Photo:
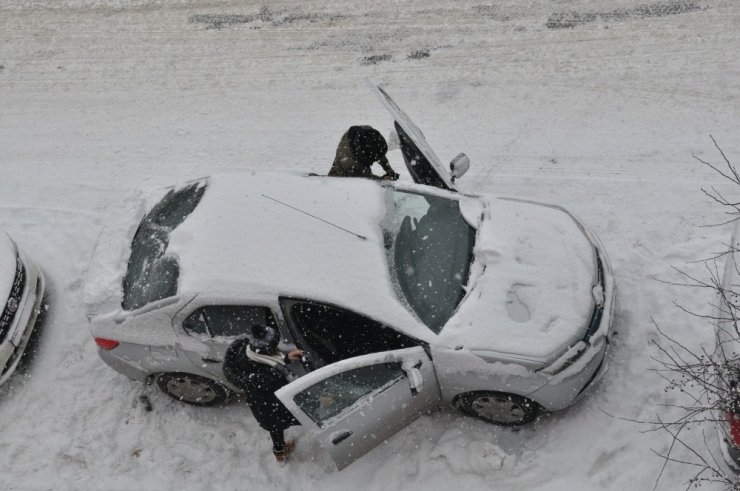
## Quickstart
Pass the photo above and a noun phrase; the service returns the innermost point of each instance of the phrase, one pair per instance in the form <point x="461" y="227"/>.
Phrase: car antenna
<point x="314" y="216"/>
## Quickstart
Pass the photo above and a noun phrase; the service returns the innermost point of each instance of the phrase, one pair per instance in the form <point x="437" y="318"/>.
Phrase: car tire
<point x="499" y="408"/>
<point x="193" y="389"/>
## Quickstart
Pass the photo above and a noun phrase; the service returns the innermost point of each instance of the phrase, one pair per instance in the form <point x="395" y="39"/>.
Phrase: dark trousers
<point x="278" y="441"/>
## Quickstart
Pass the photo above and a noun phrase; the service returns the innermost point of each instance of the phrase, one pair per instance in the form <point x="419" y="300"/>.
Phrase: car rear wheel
<point x="499" y="408"/>
<point x="192" y="389"/>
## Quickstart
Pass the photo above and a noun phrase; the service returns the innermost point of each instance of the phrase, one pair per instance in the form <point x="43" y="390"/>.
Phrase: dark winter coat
<point x="259" y="383"/>
<point x="346" y="164"/>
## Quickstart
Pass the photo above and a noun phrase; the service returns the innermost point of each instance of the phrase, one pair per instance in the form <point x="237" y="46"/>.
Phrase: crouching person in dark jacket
<point x="259" y="369"/>
<point x="359" y="148"/>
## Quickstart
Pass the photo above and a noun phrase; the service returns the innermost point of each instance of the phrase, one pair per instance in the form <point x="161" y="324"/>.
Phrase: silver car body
<point x="22" y="290"/>
<point x="264" y="240"/>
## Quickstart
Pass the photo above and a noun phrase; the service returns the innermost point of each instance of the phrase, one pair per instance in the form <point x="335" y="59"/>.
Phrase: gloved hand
<point x="391" y="176"/>
<point x="295" y="355"/>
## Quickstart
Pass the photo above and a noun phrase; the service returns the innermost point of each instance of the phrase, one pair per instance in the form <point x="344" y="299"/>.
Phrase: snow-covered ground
<point x="595" y="105"/>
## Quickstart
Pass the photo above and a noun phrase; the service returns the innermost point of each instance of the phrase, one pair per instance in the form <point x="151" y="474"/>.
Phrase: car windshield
<point x="151" y="275"/>
<point x="430" y="251"/>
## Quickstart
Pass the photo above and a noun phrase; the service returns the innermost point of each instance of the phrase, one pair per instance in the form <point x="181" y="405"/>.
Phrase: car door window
<point x="227" y="320"/>
<point x="196" y="323"/>
<point x="331" y="396"/>
<point x="334" y="334"/>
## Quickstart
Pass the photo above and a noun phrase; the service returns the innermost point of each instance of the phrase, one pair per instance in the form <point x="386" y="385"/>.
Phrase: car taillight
<point x="106" y="344"/>
<point x="733" y="421"/>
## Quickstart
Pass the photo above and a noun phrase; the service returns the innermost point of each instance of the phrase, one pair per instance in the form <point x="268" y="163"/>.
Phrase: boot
<point x="282" y="456"/>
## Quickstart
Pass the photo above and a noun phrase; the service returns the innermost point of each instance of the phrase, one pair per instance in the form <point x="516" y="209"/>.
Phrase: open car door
<point x="356" y="404"/>
<point x="423" y="164"/>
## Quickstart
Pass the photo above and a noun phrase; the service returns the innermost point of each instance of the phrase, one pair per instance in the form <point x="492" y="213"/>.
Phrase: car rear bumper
<point x="124" y="365"/>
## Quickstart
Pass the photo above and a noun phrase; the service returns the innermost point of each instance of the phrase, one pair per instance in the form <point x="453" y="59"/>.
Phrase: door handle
<point x="212" y="360"/>
<point x="341" y="437"/>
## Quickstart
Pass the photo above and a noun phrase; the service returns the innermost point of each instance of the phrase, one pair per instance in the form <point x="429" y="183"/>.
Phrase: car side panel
<point x="147" y="344"/>
<point x="195" y="349"/>
<point x="137" y="361"/>
<point x="128" y="359"/>
<point x="566" y="388"/>
<point x="460" y="371"/>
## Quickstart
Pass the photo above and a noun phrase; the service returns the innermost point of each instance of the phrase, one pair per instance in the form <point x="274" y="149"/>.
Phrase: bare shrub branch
<point x="708" y="382"/>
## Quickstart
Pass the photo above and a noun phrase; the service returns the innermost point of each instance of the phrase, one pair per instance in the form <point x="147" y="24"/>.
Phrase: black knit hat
<point x="366" y="144"/>
<point x="264" y="339"/>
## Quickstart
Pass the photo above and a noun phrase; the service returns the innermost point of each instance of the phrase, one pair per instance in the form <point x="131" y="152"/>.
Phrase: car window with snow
<point x="227" y="320"/>
<point x="431" y="253"/>
<point x="150" y="275"/>
<point x="328" y="398"/>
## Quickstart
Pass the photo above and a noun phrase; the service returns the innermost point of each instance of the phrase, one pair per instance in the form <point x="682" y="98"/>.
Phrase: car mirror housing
<point x="459" y="166"/>
<point x="416" y="381"/>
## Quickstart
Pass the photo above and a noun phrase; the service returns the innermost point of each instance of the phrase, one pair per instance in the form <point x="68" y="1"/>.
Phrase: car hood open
<point x="531" y="284"/>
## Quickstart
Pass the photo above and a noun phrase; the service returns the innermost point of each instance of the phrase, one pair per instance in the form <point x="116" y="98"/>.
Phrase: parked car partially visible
<point x="21" y="295"/>
<point x="726" y="356"/>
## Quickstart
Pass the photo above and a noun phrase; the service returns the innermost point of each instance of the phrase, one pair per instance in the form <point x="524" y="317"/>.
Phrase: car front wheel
<point x="192" y="389"/>
<point x="499" y="408"/>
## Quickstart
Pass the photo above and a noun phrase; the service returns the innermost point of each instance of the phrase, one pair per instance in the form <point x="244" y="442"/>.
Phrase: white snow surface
<point x="102" y="97"/>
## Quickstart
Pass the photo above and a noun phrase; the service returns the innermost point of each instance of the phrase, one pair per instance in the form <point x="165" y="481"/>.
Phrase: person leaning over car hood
<point x="259" y="369"/>
<point x="359" y="148"/>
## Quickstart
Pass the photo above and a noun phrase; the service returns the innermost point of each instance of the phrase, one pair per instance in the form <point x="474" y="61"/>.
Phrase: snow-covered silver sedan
<point x="21" y="294"/>
<point x="405" y="295"/>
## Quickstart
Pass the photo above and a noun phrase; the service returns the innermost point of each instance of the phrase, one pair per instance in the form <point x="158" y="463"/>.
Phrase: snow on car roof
<point x="248" y="236"/>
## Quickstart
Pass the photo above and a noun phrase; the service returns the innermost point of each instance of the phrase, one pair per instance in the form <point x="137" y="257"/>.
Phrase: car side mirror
<point x="416" y="381"/>
<point x="459" y="166"/>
